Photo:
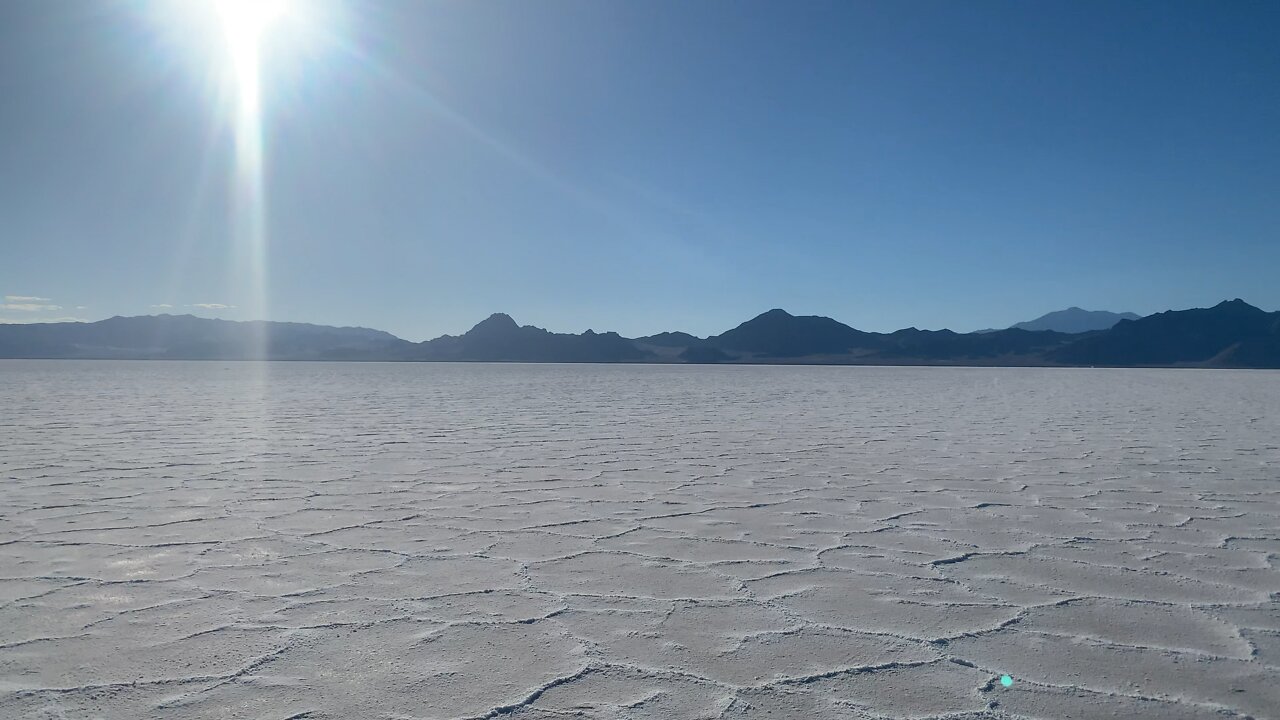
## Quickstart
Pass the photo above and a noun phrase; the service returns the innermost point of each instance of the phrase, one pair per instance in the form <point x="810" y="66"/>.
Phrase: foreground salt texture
<point x="211" y="540"/>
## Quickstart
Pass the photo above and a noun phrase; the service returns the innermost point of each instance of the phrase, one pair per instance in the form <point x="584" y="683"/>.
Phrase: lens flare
<point x="245" y="24"/>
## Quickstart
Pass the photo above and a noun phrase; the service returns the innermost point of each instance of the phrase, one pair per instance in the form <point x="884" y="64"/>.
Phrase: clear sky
<point x="649" y="165"/>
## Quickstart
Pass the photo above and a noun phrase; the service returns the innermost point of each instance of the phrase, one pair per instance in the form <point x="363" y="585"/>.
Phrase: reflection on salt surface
<point x="636" y="541"/>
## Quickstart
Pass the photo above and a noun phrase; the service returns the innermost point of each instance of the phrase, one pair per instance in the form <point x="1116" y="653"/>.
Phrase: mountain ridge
<point x="1076" y="320"/>
<point x="1232" y="333"/>
<point x="1072" y="320"/>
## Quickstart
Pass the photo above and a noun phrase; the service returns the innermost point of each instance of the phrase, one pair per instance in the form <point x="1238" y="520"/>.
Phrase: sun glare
<point x="245" y="24"/>
<point x="247" y="57"/>
<point x="244" y="21"/>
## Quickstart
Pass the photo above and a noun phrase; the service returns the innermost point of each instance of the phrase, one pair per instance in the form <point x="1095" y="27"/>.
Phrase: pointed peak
<point x="496" y="322"/>
<point x="1236" y="304"/>
<point x="775" y="313"/>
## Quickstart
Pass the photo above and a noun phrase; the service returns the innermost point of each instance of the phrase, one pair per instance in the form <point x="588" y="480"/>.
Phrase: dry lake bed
<point x="306" y="540"/>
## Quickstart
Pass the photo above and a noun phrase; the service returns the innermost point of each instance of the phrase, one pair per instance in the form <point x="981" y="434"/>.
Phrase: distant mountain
<point x="1075" y="320"/>
<point x="499" y="339"/>
<point x="779" y="334"/>
<point x="1231" y="334"/>
<point x="1011" y="347"/>
<point x="701" y="354"/>
<point x="1072" y="320"/>
<point x="670" y="339"/>
<point x="186" y="337"/>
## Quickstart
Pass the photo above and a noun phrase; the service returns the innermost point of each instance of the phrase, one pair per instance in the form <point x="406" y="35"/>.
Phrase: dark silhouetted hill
<point x="1017" y="347"/>
<point x="779" y="334"/>
<point x="671" y="339"/>
<point x="704" y="354"/>
<point x="1232" y="333"/>
<point x="186" y="337"/>
<point x="499" y="339"/>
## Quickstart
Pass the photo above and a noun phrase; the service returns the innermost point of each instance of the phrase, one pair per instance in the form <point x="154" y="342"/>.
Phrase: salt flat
<point x="239" y="540"/>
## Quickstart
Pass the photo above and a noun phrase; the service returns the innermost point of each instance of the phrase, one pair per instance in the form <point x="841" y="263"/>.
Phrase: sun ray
<point x="244" y="25"/>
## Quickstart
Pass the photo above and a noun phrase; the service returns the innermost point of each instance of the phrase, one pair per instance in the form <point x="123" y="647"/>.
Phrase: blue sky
<point x="648" y="166"/>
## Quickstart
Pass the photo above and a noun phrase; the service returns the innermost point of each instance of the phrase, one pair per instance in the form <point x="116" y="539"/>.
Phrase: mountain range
<point x="1230" y="334"/>
<point x="1073" y="320"/>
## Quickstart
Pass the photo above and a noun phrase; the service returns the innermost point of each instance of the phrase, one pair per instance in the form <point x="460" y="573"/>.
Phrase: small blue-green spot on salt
<point x="1006" y="681"/>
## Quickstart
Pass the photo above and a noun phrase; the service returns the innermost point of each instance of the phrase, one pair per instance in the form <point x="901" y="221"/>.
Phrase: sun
<point x="245" y="21"/>
<point x="245" y="24"/>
